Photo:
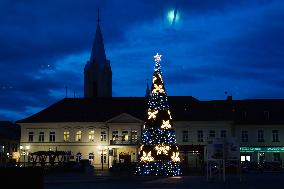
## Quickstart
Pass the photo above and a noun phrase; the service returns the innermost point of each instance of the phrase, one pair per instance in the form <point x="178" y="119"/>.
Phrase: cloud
<point x="216" y="46"/>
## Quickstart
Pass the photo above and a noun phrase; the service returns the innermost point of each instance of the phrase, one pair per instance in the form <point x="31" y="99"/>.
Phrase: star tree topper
<point x="157" y="57"/>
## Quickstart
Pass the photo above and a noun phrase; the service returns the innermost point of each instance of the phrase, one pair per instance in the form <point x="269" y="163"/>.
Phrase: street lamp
<point x="23" y="149"/>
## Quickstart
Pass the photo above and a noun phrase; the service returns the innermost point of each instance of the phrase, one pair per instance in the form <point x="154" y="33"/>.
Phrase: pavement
<point x="106" y="180"/>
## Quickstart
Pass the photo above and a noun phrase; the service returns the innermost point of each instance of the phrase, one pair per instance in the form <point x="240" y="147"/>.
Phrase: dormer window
<point x="245" y="115"/>
<point x="266" y="115"/>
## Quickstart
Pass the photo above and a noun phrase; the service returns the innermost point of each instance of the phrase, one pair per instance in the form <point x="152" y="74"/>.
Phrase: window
<point x="41" y="137"/>
<point x="244" y="136"/>
<point x="78" y="136"/>
<point x="31" y="136"/>
<point x="275" y="136"/>
<point x="134" y="135"/>
<point x="276" y="157"/>
<point x="66" y="136"/>
<point x="244" y="115"/>
<point x="223" y="133"/>
<point x="260" y="137"/>
<point x="91" y="136"/>
<point x="266" y="115"/>
<point x="91" y="157"/>
<point x="78" y="157"/>
<point x="52" y="136"/>
<point x="211" y="134"/>
<point x="245" y="158"/>
<point x="200" y="136"/>
<point x="103" y="136"/>
<point x="184" y="136"/>
<point x="105" y="158"/>
<point x="114" y="135"/>
<point x="124" y="135"/>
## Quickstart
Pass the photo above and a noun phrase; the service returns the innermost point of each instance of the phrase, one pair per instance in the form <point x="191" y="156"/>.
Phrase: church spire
<point x="98" y="19"/>
<point x="148" y="92"/>
<point x="97" y="71"/>
<point x="98" y="50"/>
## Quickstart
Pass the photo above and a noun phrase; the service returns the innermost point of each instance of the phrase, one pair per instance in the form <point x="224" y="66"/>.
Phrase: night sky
<point x="213" y="46"/>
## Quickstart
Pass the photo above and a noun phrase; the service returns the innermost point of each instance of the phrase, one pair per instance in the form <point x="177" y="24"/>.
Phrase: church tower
<point x="97" y="71"/>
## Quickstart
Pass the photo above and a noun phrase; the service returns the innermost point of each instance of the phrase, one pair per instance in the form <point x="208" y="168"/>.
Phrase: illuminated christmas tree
<point x="158" y="153"/>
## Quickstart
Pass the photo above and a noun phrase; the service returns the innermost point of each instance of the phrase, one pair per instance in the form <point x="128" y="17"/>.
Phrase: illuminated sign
<point x="261" y="149"/>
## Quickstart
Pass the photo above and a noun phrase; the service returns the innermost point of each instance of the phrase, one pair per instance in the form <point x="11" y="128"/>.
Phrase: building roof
<point x="183" y="108"/>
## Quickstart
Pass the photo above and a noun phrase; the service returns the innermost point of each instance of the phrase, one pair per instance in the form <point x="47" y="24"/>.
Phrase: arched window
<point x="91" y="157"/>
<point x="78" y="157"/>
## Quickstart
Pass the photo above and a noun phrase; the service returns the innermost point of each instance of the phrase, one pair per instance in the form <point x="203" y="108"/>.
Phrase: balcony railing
<point x="123" y="142"/>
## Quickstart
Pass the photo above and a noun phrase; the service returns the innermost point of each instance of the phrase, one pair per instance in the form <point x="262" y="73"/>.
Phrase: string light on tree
<point x="152" y="114"/>
<point x="170" y="114"/>
<point x="161" y="148"/>
<point x="147" y="157"/>
<point x="175" y="157"/>
<point x="159" y="152"/>
<point x="166" y="124"/>
<point x="158" y="89"/>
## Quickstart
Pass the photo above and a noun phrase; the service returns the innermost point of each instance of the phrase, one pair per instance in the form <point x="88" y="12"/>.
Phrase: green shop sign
<point x="261" y="149"/>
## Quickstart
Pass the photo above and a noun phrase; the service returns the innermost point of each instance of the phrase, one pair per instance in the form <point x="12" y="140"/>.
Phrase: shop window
<point x="276" y="157"/>
<point x="245" y="158"/>
<point x="261" y="157"/>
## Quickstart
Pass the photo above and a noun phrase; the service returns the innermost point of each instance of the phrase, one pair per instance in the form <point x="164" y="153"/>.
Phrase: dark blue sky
<point x="215" y="46"/>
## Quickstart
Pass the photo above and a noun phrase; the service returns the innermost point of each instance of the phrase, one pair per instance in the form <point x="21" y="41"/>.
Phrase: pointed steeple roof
<point x="98" y="50"/>
<point x="148" y="92"/>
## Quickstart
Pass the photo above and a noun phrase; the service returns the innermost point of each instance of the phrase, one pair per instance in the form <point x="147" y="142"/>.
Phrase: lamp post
<point x="23" y="149"/>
